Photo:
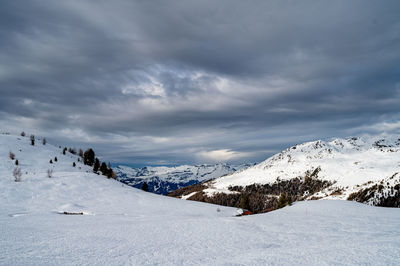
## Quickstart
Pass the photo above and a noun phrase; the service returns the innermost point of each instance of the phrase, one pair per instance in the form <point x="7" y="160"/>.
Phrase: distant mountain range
<point x="364" y="169"/>
<point x="163" y="179"/>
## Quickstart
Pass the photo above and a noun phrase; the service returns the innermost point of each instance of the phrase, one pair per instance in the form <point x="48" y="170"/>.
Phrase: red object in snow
<point x="247" y="213"/>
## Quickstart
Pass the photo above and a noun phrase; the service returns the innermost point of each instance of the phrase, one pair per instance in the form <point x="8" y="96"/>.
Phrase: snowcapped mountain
<point x="362" y="168"/>
<point x="163" y="180"/>
<point x="114" y="224"/>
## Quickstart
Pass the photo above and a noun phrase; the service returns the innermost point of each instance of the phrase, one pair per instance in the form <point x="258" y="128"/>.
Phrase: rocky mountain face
<point x="164" y="180"/>
<point x="364" y="169"/>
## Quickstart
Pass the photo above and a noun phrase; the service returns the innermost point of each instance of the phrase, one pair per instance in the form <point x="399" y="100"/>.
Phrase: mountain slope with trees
<point x="364" y="169"/>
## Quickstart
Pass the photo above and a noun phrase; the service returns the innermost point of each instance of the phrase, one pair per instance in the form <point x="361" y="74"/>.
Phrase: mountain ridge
<point x="350" y="166"/>
<point x="164" y="179"/>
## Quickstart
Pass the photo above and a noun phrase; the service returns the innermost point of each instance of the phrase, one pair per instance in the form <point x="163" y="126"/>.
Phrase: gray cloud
<point x="169" y="83"/>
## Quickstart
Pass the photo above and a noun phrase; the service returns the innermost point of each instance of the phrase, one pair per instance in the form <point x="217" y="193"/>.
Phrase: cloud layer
<point x="155" y="82"/>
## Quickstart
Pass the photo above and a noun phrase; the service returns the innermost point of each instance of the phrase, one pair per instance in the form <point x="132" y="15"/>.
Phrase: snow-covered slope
<point x="163" y="180"/>
<point x="122" y="225"/>
<point x="35" y="160"/>
<point x="348" y="163"/>
<point x="365" y="169"/>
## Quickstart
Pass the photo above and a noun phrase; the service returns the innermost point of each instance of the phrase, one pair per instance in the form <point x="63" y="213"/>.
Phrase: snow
<point x="188" y="195"/>
<point x="181" y="173"/>
<point x="164" y="180"/>
<point x="347" y="162"/>
<point x="123" y="225"/>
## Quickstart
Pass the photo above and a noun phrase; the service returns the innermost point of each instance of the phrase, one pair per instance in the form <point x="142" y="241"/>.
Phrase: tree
<point x="289" y="200"/>
<point x="55" y="159"/>
<point x="51" y="161"/>
<point x="88" y="157"/>
<point x="11" y="155"/>
<point x="23" y="134"/>
<point x="80" y="153"/>
<point x="145" y="187"/>
<point x="103" y="168"/>
<point x="49" y="173"/>
<point x="244" y="202"/>
<point x="16" y="162"/>
<point x="72" y="150"/>
<point x="282" y="201"/>
<point x="96" y="165"/>
<point x="32" y="140"/>
<point x="73" y="164"/>
<point x="112" y="174"/>
<point x="17" y="174"/>
<point x="64" y="150"/>
<point x="44" y="141"/>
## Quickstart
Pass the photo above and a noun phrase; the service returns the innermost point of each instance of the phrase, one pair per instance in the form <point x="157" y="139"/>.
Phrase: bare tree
<point x="49" y="173"/>
<point x="17" y="174"/>
<point x="11" y="155"/>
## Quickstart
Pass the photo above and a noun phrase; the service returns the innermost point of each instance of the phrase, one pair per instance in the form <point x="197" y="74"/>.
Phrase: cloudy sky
<point x="173" y="82"/>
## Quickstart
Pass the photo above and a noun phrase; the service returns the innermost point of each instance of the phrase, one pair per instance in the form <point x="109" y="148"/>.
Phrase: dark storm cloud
<point x="171" y="82"/>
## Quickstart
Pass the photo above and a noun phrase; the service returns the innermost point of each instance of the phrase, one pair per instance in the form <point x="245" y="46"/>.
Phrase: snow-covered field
<point x="123" y="225"/>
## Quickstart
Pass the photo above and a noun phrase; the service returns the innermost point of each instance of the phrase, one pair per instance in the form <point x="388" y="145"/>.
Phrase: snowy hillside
<point x="347" y="162"/>
<point x="366" y="169"/>
<point x="123" y="225"/>
<point x="35" y="160"/>
<point x="163" y="180"/>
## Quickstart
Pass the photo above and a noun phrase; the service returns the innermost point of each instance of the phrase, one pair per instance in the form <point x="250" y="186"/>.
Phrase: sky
<point x="190" y="82"/>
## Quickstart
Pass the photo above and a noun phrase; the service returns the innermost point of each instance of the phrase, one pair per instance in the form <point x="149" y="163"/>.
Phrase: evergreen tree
<point x="111" y="174"/>
<point x="55" y="159"/>
<point x="88" y="157"/>
<point x="16" y="162"/>
<point x="44" y="141"/>
<point x="103" y="168"/>
<point x="289" y="200"/>
<point x="282" y="201"/>
<point x="32" y="140"/>
<point x="73" y="164"/>
<point x="96" y="165"/>
<point x="145" y="187"/>
<point x="244" y="202"/>
<point x="64" y="150"/>
<point x="51" y="161"/>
